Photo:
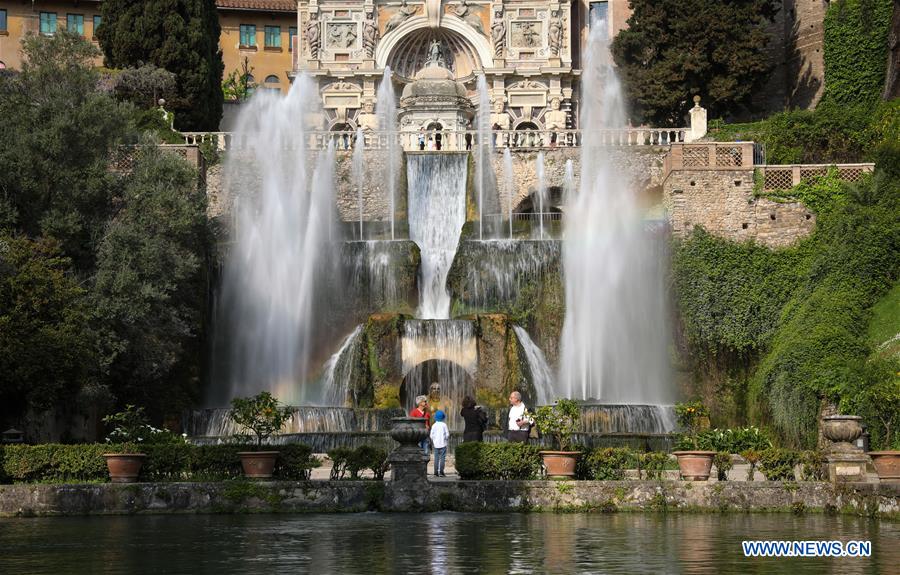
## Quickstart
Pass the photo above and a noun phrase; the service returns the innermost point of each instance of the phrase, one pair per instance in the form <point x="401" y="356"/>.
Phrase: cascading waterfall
<point x="359" y="171"/>
<point x="437" y="212"/>
<point x="509" y="187"/>
<point x="386" y="108"/>
<point x="541" y="191"/>
<point x="569" y="183"/>
<point x="614" y="337"/>
<point x="370" y="274"/>
<point x="281" y="260"/>
<point x="496" y="270"/>
<point x="541" y="375"/>
<point x="441" y="353"/>
<point x="338" y="374"/>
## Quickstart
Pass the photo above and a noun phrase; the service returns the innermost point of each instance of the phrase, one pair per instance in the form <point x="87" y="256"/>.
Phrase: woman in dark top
<point x="475" y="418"/>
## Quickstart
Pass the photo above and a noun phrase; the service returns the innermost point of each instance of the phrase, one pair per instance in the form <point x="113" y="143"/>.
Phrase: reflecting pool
<point x="434" y="543"/>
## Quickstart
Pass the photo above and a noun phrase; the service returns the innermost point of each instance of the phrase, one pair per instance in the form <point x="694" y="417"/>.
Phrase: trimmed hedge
<point x="165" y="462"/>
<point x="476" y="460"/>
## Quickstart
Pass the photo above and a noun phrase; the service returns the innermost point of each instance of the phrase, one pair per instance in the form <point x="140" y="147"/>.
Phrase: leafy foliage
<point x="476" y="460"/>
<point x="558" y="421"/>
<point x="239" y="85"/>
<point x="132" y="425"/>
<point x="180" y="36"/>
<point x="723" y="463"/>
<point x="262" y="414"/>
<point x="610" y="463"/>
<point x="675" y="49"/>
<point x="778" y="464"/>
<point x="144" y="86"/>
<point x="692" y="416"/>
<point x="856" y="49"/>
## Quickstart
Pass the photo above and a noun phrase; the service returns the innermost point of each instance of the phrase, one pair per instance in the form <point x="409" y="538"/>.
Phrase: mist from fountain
<point x="614" y="339"/>
<point x="359" y="172"/>
<point x="282" y="259"/>
<point x="386" y="108"/>
<point x="437" y="212"/>
<point x="541" y="191"/>
<point x="569" y="182"/>
<point x="484" y="147"/>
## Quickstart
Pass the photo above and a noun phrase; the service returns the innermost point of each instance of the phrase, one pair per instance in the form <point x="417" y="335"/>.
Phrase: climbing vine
<point x="856" y="49"/>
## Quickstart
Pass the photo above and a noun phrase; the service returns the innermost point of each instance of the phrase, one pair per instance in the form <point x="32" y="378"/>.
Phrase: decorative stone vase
<point x="560" y="464"/>
<point x="887" y="464"/>
<point x="694" y="465"/>
<point x="408" y="463"/>
<point x="842" y="431"/>
<point x="258" y="464"/>
<point x="124" y="467"/>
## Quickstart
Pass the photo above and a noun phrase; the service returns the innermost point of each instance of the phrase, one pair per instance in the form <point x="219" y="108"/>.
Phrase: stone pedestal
<point x="847" y="467"/>
<point x="408" y="463"/>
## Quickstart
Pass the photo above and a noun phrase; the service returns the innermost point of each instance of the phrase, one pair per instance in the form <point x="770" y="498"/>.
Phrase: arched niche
<point x="408" y="44"/>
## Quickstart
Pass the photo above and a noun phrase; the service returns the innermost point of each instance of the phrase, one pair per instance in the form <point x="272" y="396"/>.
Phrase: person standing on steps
<point x="440" y="438"/>
<point x="519" y="422"/>
<point x="421" y="411"/>
<point x="475" y="418"/>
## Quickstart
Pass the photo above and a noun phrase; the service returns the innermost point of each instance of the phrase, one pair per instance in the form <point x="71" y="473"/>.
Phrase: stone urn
<point x="258" y="464"/>
<point x="694" y="465"/>
<point x="124" y="467"/>
<point x="887" y="464"/>
<point x="842" y="431"/>
<point x="408" y="462"/>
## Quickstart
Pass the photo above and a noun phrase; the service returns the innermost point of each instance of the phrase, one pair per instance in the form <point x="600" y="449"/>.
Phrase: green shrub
<point x="610" y="463"/>
<point x="217" y="462"/>
<point x="475" y="460"/>
<point x="722" y="461"/>
<point x="812" y="466"/>
<point x="751" y="456"/>
<point x="55" y="463"/>
<point x="295" y="461"/>
<point x="339" y="457"/>
<point x="734" y="440"/>
<point x="778" y="464"/>
<point x="654" y="463"/>
<point x="168" y="461"/>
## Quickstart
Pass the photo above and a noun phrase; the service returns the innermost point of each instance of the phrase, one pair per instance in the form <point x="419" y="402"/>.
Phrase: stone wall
<point x="723" y="202"/>
<point x="30" y="500"/>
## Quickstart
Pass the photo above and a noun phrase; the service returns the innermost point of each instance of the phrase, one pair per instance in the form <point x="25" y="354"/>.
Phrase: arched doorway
<point x="445" y="382"/>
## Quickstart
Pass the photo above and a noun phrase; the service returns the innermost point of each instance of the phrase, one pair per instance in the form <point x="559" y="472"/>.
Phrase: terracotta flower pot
<point x="560" y="463"/>
<point x="887" y="464"/>
<point x="124" y="467"/>
<point x="694" y="465"/>
<point x="258" y="464"/>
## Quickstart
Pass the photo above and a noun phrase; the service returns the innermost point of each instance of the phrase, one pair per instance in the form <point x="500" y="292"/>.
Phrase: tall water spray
<point x="359" y="171"/>
<point x="569" y="182"/>
<point x="437" y="212"/>
<point x="541" y="191"/>
<point x="484" y="145"/>
<point x="279" y="263"/>
<point x="386" y="108"/>
<point x="509" y="186"/>
<point x="614" y="338"/>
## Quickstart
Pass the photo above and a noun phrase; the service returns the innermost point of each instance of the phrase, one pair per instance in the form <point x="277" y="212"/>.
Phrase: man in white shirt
<point x="519" y="424"/>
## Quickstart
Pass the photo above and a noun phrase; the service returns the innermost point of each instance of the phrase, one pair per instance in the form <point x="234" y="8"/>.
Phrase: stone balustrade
<point x="456" y="140"/>
<point x="783" y="177"/>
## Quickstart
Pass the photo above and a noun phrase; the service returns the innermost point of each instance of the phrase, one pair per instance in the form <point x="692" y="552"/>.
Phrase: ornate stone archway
<point x="472" y="49"/>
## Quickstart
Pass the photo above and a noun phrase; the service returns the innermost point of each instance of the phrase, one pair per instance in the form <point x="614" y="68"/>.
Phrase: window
<point x="273" y="79"/>
<point x="75" y="23"/>
<point x="97" y="20"/>
<point x="599" y="12"/>
<point x="292" y="31"/>
<point x="273" y="36"/>
<point x="248" y="35"/>
<point x="2" y="21"/>
<point x="48" y="23"/>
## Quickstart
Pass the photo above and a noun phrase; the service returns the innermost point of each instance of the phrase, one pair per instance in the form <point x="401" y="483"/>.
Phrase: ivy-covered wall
<point x="856" y="47"/>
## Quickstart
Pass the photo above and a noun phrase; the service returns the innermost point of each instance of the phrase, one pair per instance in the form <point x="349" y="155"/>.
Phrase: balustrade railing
<point x="784" y="177"/>
<point x="461" y="140"/>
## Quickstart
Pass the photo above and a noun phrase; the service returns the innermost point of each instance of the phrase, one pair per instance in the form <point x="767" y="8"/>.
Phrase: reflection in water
<point x="433" y="543"/>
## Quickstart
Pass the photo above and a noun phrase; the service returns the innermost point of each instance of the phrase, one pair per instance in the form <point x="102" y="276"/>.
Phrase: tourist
<point x="440" y="438"/>
<point x="519" y="423"/>
<point x="421" y="411"/>
<point x="475" y="418"/>
<point x="422" y="139"/>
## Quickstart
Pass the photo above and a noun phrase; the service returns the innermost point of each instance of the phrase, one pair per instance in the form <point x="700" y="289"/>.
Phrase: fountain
<point x="614" y="338"/>
<point x="541" y="191"/>
<point x="484" y="148"/>
<point x="509" y="187"/>
<point x="359" y="172"/>
<point x="282" y="257"/>
<point x="386" y="107"/>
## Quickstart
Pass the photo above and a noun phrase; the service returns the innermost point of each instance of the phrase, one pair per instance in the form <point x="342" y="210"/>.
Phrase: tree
<point x="46" y="344"/>
<point x="673" y="50"/>
<point x="149" y="289"/>
<point x="181" y="36"/>
<point x="55" y="145"/>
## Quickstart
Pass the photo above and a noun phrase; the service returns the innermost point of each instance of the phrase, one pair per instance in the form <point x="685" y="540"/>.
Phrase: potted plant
<point x="130" y="429"/>
<point x="883" y="401"/>
<point x="559" y="421"/>
<point x="694" y="463"/>
<point x="262" y="415"/>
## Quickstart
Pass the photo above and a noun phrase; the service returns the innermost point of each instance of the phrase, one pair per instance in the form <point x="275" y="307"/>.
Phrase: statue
<point x="367" y="119"/>
<point x="370" y="35"/>
<point x="555" y="33"/>
<point x="312" y="36"/>
<point x="399" y="17"/>
<point x="435" y="55"/>
<point x="499" y="118"/>
<point x="498" y="33"/>
<point x="555" y="119"/>
<point x="468" y="16"/>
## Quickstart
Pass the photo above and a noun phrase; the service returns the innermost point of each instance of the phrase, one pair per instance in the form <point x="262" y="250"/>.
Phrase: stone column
<point x="408" y="463"/>
<point x="698" y="122"/>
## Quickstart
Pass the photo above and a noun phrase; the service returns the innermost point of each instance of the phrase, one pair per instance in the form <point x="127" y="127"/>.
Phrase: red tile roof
<point x="268" y="5"/>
